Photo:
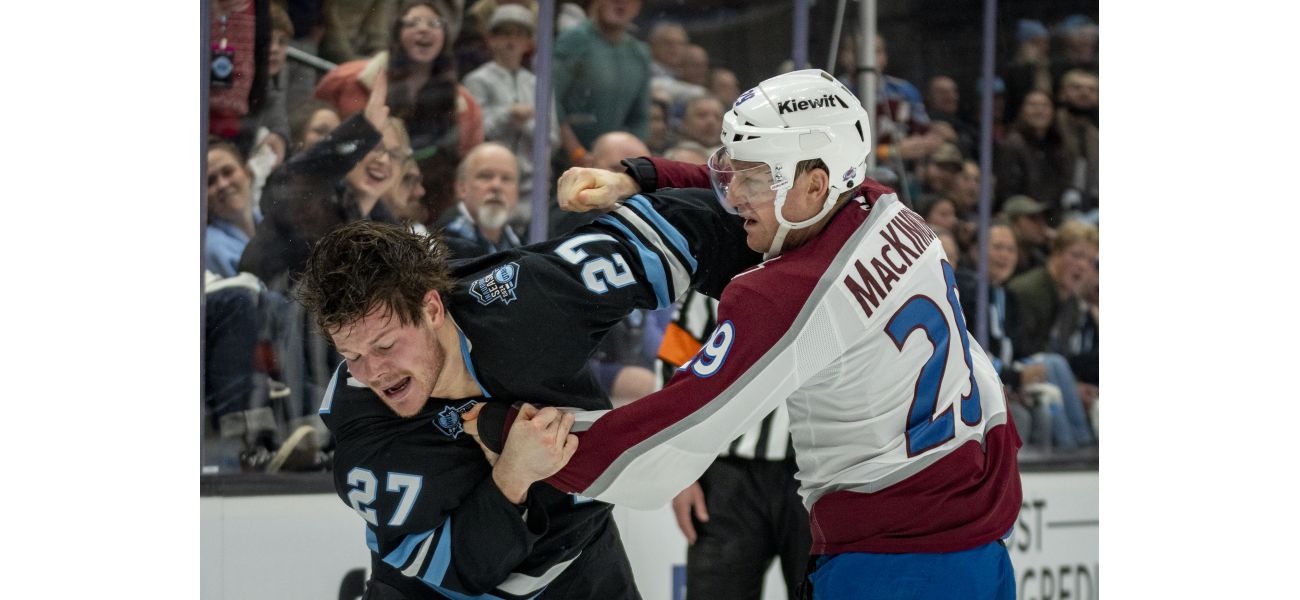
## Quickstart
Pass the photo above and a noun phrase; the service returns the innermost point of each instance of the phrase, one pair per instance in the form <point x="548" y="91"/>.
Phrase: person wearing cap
<point x="939" y="175"/>
<point x="906" y="455"/>
<point x="1033" y="235"/>
<point x="506" y="90"/>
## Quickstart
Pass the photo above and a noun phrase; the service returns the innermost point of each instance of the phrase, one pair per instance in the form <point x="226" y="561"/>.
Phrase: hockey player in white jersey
<point x="906" y="454"/>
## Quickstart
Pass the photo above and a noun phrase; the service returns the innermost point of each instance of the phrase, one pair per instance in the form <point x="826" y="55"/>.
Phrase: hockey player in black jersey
<point x="425" y="341"/>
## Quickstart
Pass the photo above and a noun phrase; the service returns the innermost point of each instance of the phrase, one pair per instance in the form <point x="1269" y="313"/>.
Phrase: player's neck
<point x="454" y="382"/>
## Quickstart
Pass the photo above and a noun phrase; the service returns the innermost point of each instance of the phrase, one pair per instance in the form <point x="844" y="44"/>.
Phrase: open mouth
<point x="378" y="174"/>
<point x="396" y="390"/>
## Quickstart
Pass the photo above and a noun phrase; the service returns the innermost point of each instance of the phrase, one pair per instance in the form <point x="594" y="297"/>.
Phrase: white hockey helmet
<point x="787" y="119"/>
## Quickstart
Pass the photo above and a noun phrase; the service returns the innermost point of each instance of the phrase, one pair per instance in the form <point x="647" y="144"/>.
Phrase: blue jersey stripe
<point x="670" y="233"/>
<point x="464" y="353"/>
<point x="372" y="541"/>
<point x="398" y="557"/>
<point x="654" y="267"/>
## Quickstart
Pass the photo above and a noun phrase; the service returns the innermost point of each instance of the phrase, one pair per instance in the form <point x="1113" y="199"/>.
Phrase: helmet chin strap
<point x="785" y="226"/>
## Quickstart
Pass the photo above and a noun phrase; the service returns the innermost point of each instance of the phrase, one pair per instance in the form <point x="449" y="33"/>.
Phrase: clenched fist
<point x="581" y="189"/>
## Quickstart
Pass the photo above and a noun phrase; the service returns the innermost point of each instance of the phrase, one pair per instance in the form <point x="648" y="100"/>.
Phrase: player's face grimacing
<point x="401" y="363"/>
<point x="746" y="189"/>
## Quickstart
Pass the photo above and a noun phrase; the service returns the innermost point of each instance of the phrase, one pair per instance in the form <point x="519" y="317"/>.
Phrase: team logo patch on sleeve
<point x="499" y="285"/>
<point x="448" y="420"/>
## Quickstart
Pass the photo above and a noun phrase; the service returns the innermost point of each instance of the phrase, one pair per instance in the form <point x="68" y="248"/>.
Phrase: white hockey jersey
<point x="899" y="422"/>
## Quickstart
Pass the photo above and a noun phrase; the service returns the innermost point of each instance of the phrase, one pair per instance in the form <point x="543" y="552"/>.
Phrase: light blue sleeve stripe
<point x="654" y="267"/>
<point x="327" y="403"/>
<point x="441" y="557"/>
<point x="372" y="541"/>
<point x="464" y="353"/>
<point x="398" y="557"/>
<point x="437" y="570"/>
<point x="670" y="233"/>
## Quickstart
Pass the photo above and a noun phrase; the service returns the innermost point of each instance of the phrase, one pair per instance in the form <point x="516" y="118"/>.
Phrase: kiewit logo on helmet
<point x="790" y="106"/>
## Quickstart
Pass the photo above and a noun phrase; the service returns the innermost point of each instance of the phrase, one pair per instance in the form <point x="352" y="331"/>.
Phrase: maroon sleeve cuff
<point x="674" y="174"/>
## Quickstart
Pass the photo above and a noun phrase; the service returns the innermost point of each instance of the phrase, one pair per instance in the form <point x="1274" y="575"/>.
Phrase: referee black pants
<point x="755" y="515"/>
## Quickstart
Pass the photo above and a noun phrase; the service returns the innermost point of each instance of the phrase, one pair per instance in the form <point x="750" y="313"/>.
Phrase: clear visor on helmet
<point x="738" y="182"/>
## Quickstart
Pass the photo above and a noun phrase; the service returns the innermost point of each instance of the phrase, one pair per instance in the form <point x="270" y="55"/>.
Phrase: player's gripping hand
<point x="538" y="446"/>
<point x="582" y="189"/>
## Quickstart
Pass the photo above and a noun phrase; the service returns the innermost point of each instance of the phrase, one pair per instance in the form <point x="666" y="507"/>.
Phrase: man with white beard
<point x="487" y="186"/>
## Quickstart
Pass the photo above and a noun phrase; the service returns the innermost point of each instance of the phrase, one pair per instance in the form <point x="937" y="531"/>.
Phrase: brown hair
<point x="280" y="21"/>
<point x="364" y="266"/>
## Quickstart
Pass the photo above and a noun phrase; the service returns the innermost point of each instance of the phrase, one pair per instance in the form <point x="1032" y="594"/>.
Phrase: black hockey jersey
<point x="528" y="318"/>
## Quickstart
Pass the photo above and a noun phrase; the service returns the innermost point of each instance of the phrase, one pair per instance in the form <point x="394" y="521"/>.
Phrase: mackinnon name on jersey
<point x="908" y="236"/>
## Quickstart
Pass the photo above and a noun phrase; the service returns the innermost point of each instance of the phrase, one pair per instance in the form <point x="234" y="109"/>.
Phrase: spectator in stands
<point x="333" y="182"/>
<point x="355" y="28"/>
<point x="267" y="122"/>
<point x="940" y="173"/>
<point x="505" y="90"/>
<point x="442" y="117"/>
<point x="702" y="122"/>
<point x="1075" y="121"/>
<point x="1083" y="342"/>
<point x="695" y="66"/>
<point x="472" y="49"/>
<point x="941" y="213"/>
<point x="1003" y="309"/>
<point x="310" y="122"/>
<point x="1044" y="292"/>
<point x="230" y="209"/>
<point x="403" y="200"/>
<point x="1030" y="68"/>
<point x="965" y="192"/>
<point x="487" y="190"/>
<point x="660" y="135"/>
<point x="1033" y="160"/>
<point x="667" y="41"/>
<point x="1033" y="235"/>
<point x="272" y="114"/>
<point x="1076" y="47"/>
<point x="611" y="148"/>
<point x="688" y="152"/>
<point x="668" y="44"/>
<point x="601" y="78"/>
<point x="942" y="102"/>
<point x="724" y="86"/>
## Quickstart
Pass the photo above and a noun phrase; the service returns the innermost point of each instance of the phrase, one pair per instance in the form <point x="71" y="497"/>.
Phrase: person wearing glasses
<point x="337" y="180"/>
<point x="443" y="118"/>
